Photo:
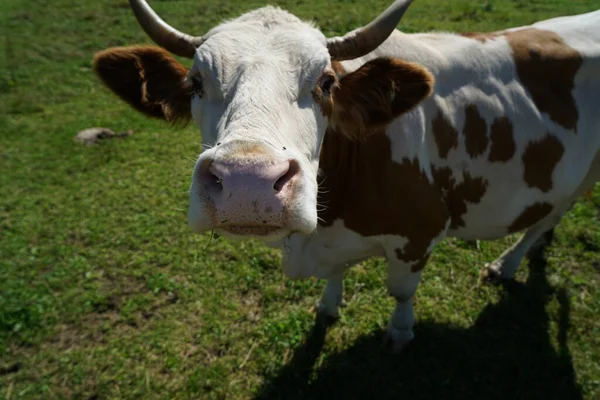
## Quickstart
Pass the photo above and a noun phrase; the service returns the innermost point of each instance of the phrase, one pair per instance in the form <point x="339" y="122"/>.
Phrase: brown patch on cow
<point x="149" y="79"/>
<point x="361" y="176"/>
<point x="456" y="196"/>
<point x="445" y="135"/>
<point x="503" y="143"/>
<point x="475" y="131"/>
<point x="547" y="66"/>
<point x="539" y="160"/>
<point x="338" y="69"/>
<point x="482" y="37"/>
<point x="530" y="216"/>
<point x="367" y="100"/>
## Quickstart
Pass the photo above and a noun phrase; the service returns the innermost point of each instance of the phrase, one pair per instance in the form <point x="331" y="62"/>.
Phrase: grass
<point x="104" y="293"/>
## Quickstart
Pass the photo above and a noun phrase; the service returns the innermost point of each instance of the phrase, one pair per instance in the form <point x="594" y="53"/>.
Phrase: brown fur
<point x="547" y="66"/>
<point x="530" y="216"/>
<point x="148" y="78"/>
<point x="457" y="195"/>
<point x="368" y="99"/>
<point x="475" y="131"/>
<point x="360" y="176"/>
<point x="445" y="135"/>
<point x="539" y="160"/>
<point x="503" y="143"/>
<point x="338" y="69"/>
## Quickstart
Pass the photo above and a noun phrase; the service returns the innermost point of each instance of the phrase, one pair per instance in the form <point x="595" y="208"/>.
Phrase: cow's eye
<point x="326" y="83"/>
<point x="197" y="85"/>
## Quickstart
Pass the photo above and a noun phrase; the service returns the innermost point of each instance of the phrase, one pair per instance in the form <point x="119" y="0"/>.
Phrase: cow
<point x="377" y="142"/>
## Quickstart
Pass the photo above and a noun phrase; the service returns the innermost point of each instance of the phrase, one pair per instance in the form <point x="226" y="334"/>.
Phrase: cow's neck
<point x="361" y="175"/>
<point x="373" y="194"/>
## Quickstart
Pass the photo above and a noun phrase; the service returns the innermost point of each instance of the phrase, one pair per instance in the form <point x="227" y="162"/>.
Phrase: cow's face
<point x="254" y="101"/>
<point x="262" y="89"/>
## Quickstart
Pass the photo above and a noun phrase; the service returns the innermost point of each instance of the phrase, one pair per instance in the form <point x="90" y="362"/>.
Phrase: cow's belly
<point x="488" y="221"/>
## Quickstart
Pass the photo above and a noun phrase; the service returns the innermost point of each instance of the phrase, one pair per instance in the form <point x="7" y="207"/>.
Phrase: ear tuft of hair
<point x="149" y="79"/>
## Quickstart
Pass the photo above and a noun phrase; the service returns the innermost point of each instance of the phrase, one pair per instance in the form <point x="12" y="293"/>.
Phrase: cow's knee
<point x="539" y="247"/>
<point x="331" y="299"/>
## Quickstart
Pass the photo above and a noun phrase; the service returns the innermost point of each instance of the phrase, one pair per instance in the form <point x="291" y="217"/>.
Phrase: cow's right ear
<point x="368" y="99"/>
<point x="148" y="78"/>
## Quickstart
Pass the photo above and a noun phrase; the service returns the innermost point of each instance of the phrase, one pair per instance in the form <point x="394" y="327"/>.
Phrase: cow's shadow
<point x="506" y="354"/>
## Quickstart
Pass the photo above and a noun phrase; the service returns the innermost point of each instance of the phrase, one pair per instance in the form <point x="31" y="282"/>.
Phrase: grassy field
<point x="104" y="293"/>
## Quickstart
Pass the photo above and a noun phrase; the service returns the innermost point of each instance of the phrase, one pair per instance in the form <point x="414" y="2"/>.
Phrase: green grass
<point x="104" y="293"/>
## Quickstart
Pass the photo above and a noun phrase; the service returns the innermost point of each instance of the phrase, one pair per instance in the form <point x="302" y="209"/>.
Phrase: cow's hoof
<point x="395" y="341"/>
<point x="395" y="346"/>
<point x="492" y="274"/>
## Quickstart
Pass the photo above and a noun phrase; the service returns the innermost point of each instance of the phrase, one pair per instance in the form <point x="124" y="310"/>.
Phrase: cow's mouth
<point x="253" y="230"/>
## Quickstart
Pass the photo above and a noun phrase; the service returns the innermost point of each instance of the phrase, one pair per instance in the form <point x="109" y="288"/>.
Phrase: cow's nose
<point x="249" y="196"/>
<point x="265" y="177"/>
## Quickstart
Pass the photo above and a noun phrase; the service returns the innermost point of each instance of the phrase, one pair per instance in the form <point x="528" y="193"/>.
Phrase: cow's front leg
<point x="331" y="300"/>
<point x="402" y="282"/>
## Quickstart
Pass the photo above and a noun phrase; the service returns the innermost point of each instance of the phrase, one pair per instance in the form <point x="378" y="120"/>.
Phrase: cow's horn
<point x="162" y="33"/>
<point x="363" y="40"/>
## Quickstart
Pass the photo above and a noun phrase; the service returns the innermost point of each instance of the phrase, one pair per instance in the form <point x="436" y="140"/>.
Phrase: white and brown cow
<point x="377" y="143"/>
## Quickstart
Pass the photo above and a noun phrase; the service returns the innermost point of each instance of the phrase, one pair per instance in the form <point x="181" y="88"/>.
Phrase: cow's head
<point x="262" y="89"/>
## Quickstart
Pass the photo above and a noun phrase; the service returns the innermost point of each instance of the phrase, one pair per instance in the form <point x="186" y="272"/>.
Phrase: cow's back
<point x="582" y="32"/>
<point x="513" y="125"/>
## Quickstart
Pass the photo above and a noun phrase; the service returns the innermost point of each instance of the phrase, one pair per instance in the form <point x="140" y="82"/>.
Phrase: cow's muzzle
<point x="245" y="194"/>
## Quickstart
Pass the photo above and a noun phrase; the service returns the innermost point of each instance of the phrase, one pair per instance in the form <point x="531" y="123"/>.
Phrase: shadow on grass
<point x="506" y="354"/>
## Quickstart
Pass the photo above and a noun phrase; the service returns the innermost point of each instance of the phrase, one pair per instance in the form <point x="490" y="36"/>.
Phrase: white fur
<point x="259" y="71"/>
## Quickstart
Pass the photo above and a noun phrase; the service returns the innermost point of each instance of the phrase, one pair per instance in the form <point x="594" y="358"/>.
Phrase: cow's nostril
<point x="285" y="178"/>
<point x="218" y="181"/>
<point x="209" y="178"/>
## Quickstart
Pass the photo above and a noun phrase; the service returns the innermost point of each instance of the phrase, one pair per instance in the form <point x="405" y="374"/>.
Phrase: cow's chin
<point x="271" y="235"/>
<point x="267" y="234"/>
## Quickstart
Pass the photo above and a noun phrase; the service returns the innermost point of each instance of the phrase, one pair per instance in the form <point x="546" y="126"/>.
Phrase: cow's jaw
<point x="262" y="128"/>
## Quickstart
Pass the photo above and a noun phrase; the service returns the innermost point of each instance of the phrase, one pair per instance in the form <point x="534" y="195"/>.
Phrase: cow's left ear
<point x="149" y="79"/>
<point x="371" y="97"/>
